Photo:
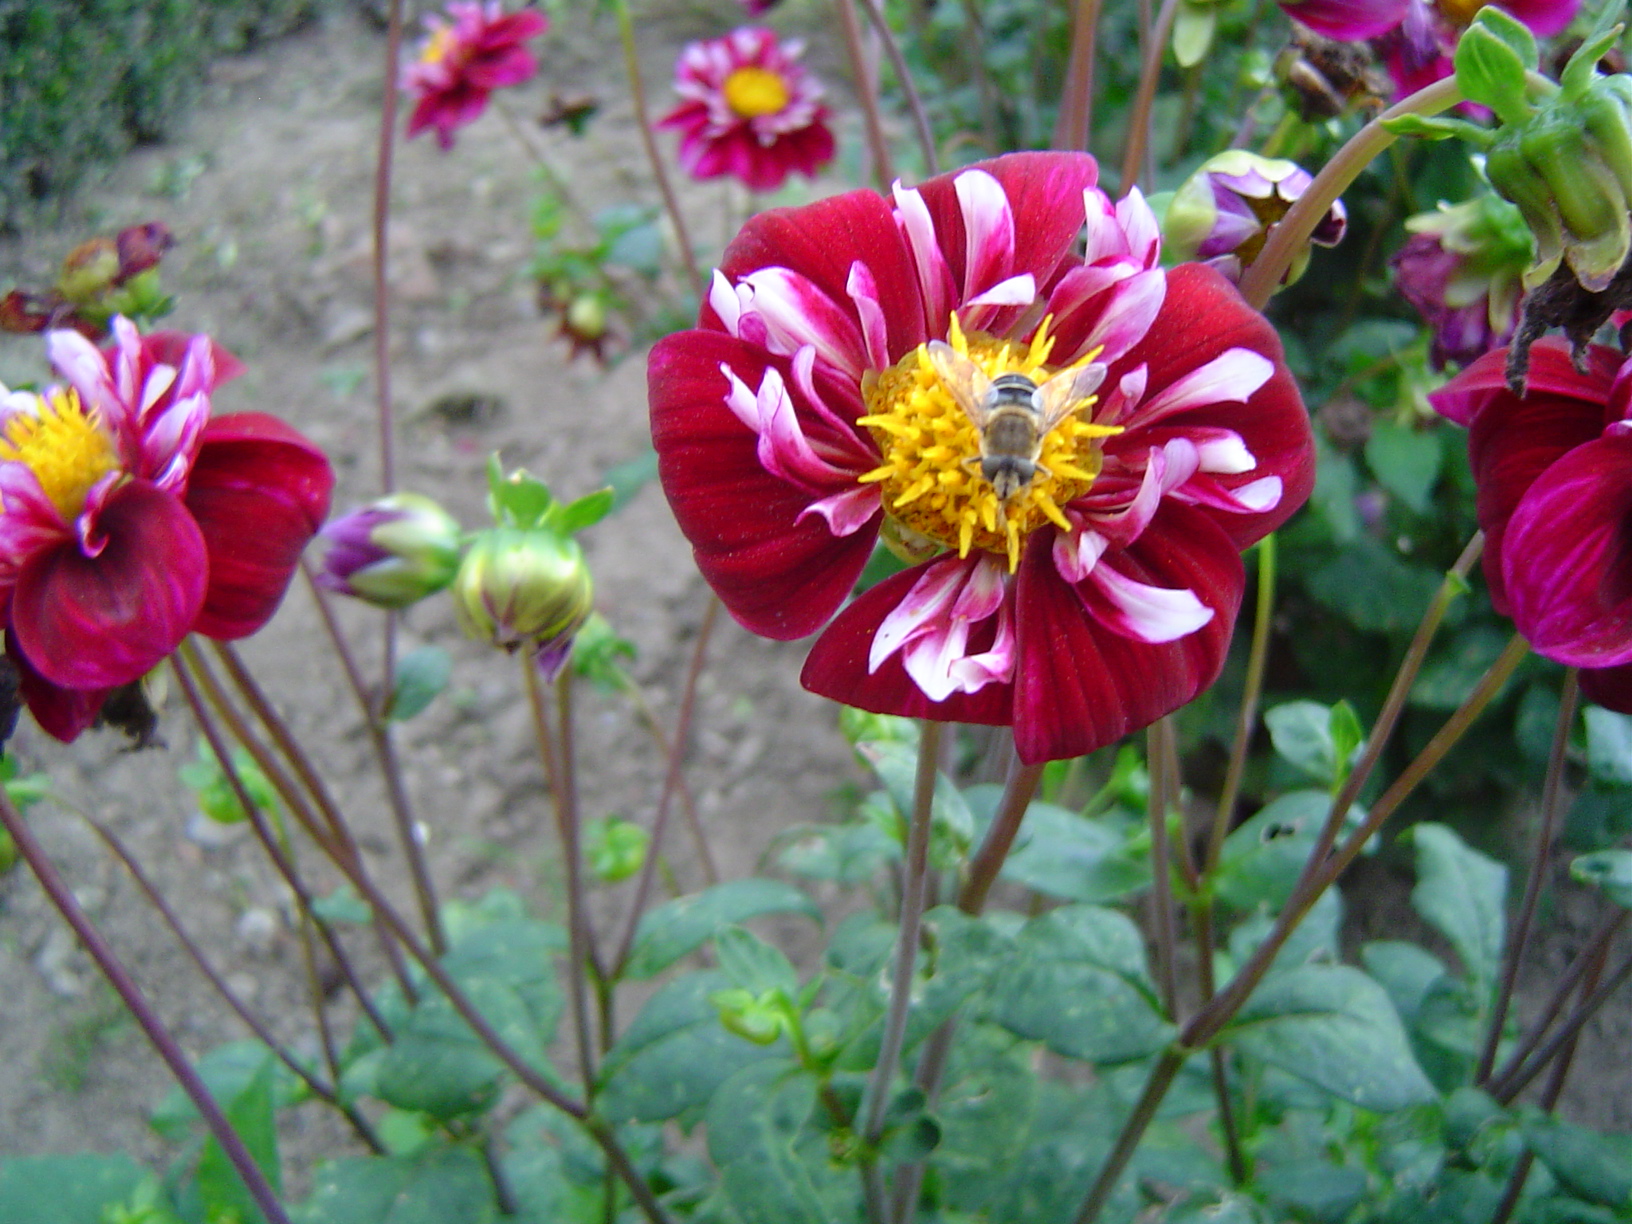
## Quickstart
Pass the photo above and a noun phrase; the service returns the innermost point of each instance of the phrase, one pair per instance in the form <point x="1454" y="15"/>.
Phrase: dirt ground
<point x="269" y="189"/>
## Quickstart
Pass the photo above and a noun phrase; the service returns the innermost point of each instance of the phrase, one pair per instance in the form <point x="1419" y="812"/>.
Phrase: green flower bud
<point x="524" y="587"/>
<point x="392" y="552"/>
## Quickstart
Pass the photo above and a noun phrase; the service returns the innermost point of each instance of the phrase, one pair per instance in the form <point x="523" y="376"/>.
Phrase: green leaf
<point x="751" y="963"/>
<point x="1263" y="856"/>
<point x="252" y="1112"/>
<point x="676" y="928"/>
<point x="952" y="827"/>
<point x="614" y="848"/>
<point x="1315" y="1188"/>
<point x="1193" y="32"/>
<point x="1457" y="666"/>
<point x="675" y="1054"/>
<point x="774" y="1167"/>
<point x="421" y="675"/>
<point x="65" y="1189"/>
<point x="585" y="512"/>
<point x="1302" y="733"/>
<point x="1595" y="1167"/>
<point x="1609" y="747"/>
<point x="846" y="854"/>
<point x="1406" y="462"/>
<point x="1462" y="893"/>
<point x="342" y="905"/>
<point x="1065" y="855"/>
<point x="1077" y="982"/>
<point x="1439" y="129"/>
<point x="1333" y="1027"/>
<point x="1609" y="870"/>
<point x="1373" y="589"/>
<point x="518" y="498"/>
<point x="446" y="1186"/>
<point x="985" y="1111"/>
<point x="228" y="1071"/>
<point x="1405" y="971"/>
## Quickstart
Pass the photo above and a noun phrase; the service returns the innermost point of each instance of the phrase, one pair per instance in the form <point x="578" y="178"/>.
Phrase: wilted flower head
<point x="1076" y="584"/>
<point x="132" y="517"/>
<point x="462" y="62"/>
<point x="1460" y="269"/>
<point x="392" y="552"/>
<point x="1222" y="214"/>
<point x="98" y="279"/>
<point x="748" y="109"/>
<point x="1553" y="470"/>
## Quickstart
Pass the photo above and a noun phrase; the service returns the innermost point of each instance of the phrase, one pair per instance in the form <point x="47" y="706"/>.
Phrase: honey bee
<point x="1012" y="413"/>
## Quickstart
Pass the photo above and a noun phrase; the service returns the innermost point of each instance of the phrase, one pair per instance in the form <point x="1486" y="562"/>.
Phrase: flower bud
<point x="392" y="552"/>
<point x="89" y="270"/>
<point x="522" y="586"/>
<point x="1223" y="213"/>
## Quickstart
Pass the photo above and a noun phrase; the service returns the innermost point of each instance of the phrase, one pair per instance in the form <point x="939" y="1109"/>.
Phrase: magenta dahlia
<point x="821" y="405"/>
<point x="463" y="61"/>
<point x="1553" y="471"/>
<point x="132" y="518"/>
<point x="748" y="109"/>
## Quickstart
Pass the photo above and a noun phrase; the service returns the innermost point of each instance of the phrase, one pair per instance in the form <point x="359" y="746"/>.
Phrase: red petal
<point x="1202" y="317"/>
<point x="837" y="666"/>
<point x="259" y="490"/>
<point x="820" y="241"/>
<point x="1045" y="195"/>
<point x="1551" y="373"/>
<point x="1078" y="685"/>
<point x="1567" y="557"/>
<point x="98" y="622"/>
<point x="62" y="713"/>
<point x="1610" y="687"/>
<point x="779" y="577"/>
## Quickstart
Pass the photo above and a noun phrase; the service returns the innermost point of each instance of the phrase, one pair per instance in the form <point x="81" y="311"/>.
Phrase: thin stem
<point x="1005" y="826"/>
<point x="1157" y="740"/>
<point x="1600" y="940"/>
<point x="1505" y="1090"/>
<point x="974" y="47"/>
<point x="1246" y="718"/>
<point x="382" y="221"/>
<point x="1133" y="153"/>
<point x="1289" y="237"/>
<point x="688" y="805"/>
<point x="1236" y="1158"/>
<point x="903" y="76"/>
<point x="1161" y="1079"/>
<point x="319" y="1088"/>
<point x="660" y="170"/>
<point x="56" y="888"/>
<point x="1552" y="812"/>
<point x="682" y="732"/>
<point x="906" y="948"/>
<point x="866" y="93"/>
<point x="1075" y="123"/>
<point x="566" y="826"/>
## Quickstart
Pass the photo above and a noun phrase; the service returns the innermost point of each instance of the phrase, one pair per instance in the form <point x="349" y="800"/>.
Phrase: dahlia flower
<point x="1553" y="472"/>
<point x="463" y="61"/>
<point x="748" y="109"/>
<point x="1460" y="269"/>
<point x="393" y="552"/>
<point x="132" y="518"/>
<point x="815" y="409"/>
<point x="1416" y="37"/>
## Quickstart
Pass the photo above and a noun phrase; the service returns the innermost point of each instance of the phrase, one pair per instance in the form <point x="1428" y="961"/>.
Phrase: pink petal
<point x="94" y="623"/>
<point x="988" y="228"/>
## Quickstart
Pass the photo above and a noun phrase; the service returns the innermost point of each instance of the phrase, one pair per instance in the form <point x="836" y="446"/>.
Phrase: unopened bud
<point x="524" y="587"/>
<point x="1223" y="213"/>
<point x="89" y="270"/>
<point x="392" y="552"/>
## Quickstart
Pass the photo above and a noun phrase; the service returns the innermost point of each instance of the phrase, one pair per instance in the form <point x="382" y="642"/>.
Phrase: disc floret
<point x="930" y="479"/>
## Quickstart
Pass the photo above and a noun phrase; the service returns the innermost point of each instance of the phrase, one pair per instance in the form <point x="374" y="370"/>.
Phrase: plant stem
<point x="1552" y="811"/>
<point x="688" y="806"/>
<point x="382" y="222"/>
<point x="1246" y="719"/>
<point x="61" y="896"/>
<point x="903" y="76"/>
<point x="1292" y="233"/>
<point x="988" y="860"/>
<point x="1157" y="752"/>
<point x="1075" y="122"/>
<point x="866" y="93"/>
<point x="566" y="826"/>
<point x="682" y="733"/>
<point x="1133" y="153"/>
<point x="1518" y="1080"/>
<point x="660" y="170"/>
<point x="1600" y="940"/>
<point x="1161" y="1079"/>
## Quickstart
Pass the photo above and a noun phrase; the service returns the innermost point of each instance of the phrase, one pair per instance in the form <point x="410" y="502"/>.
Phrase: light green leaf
<point x="774" y="1167"/>
<point x="1302" y="733"/>
<point x="1333" y="1027"/>
<point x="1065" y="855"/>
<point x="65" y="1189"/>
<point x="1610" y="870"/>
<point x="1609" y="747"/>
<point x="754" y="965"/>
<point x="676" y="928"/>
<point x="445" y="1186"/>
<point x="1462" y="893"/>
<point x="1406" y="462"/>
<point x="1263" y="856"/>
<point x="421" y="675"/>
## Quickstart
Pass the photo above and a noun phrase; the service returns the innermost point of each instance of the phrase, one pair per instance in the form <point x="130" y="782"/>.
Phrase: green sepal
<point x="588" y="510"/>
<point x="1582" y="68"/>
<point x="1424" y="128"/>
<point x="1492" y="61"/>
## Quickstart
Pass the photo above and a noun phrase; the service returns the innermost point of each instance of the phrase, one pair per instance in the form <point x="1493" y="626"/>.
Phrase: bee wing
<point x="1063" y="394"/>
<point x="966" y="381"/>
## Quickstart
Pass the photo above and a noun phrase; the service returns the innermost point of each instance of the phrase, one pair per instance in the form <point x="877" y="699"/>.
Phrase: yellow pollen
<point x="752" y="92"/>
<point x="437" y="48"/>
<point x="930" y="481"/>
<point x="64" y="446"/>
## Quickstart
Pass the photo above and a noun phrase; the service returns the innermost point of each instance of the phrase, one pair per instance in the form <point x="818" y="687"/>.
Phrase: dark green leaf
<point x="1609" y="870"/>
<point x="1406" y="461"/>
<point x="1373" y="589"/>
<point x="1302" y="733"/>
<point x="1263" y="856"/>
<point x="985" y="1111"/>
<point x="1609" y="747"/>
<point x="421" y="675"/>
<point x="675" y="1054"/>
<point x="1405" y="971"/>
<point x="679" y="927"/>
<point x="1462" y="893"/>
<point x="754" y="965"/>
<point x="65" y="1189"/>
<point x="444" y="1187"/>
<point x="774" y="1167"/>
<point x="1333" y="1027"/>
<point x="1077" y="982"/>
<point x="228" y="1071"/>
<point x="1314" y="1187"/>
<point x="1596" y="1167"/>
<point x="1064" y="855"/>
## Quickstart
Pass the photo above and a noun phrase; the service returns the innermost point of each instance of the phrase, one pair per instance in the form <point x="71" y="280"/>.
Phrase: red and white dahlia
<point x="748" y="109"/>
<point x="463" y="61"/>
<point x="803" y="420"/>
<point x="130" y="518"/>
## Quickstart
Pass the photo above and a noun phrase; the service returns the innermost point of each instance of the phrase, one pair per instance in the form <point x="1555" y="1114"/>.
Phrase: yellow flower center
<point x="1460" y="12"/>
<point x="752" y="92"/>
<point x="64" y="446"/>
<point x="931" y="481"/>
<point x="438" y="45"/>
